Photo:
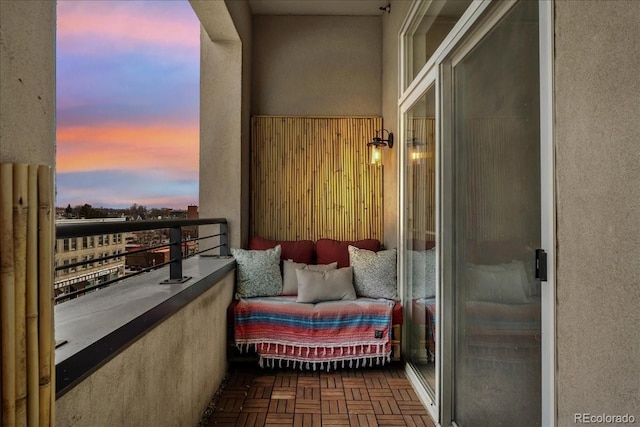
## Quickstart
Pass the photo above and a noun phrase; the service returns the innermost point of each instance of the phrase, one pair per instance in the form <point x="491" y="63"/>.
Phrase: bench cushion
<point x="295" y="250"/>
<point x="330" y="250"/>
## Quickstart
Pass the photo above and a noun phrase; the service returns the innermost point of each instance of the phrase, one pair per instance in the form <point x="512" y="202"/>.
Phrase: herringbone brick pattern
<point x="364" y="397"/>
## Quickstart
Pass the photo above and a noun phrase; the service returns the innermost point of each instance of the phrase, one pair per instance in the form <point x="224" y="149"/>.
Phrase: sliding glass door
<point x="477" y="205"/>
<point x="495" y="228"/>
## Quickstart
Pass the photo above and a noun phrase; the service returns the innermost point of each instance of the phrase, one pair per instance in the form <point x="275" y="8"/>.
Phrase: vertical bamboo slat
<point x="32" y="300"/>
<point x="45" y="291"/>
<point x="7" y="297"/>
<point x="20" y="207"/>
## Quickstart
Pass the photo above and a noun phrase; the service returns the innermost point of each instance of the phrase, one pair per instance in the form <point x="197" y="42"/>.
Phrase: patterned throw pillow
<point x="258" y="272"/>
<point x="423" y="273"/>
<point x="374" y="273"/>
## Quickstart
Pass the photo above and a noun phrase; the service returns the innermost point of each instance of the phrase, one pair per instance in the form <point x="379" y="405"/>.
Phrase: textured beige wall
<point x="167" y="378"/>
<point x="27" y="81"/>
<point x="316" y="65"/>
<point x="220" y="134"/>
<point x="241" y="15"/>
<point x="391" y="24"/>
<point x="225" y="63"/>
<point x="597" y="136"/>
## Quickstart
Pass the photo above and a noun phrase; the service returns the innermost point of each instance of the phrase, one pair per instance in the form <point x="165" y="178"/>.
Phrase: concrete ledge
<point x="100" y="325"/>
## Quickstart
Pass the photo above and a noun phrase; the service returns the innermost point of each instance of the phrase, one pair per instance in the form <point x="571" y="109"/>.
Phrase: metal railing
<point x="175" y="245"/>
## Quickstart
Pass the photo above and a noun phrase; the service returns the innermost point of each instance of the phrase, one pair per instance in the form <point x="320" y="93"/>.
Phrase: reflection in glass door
<point x="496" y="224"/>
<point x="420" y="237"/>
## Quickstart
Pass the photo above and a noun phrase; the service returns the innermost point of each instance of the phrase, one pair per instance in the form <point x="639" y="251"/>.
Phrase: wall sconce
<point x="416" y="150"/>
<point x="376" y="144"/>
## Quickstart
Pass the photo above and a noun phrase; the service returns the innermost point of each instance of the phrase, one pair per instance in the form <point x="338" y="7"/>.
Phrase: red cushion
<point x="421" y="245"/>
<point x="296" y="250"/>
<point x="329" y="250"/>
<point x="396" y="316"/>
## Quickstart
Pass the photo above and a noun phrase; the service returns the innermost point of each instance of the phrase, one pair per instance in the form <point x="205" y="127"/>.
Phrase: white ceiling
<point x="317" y="7"/>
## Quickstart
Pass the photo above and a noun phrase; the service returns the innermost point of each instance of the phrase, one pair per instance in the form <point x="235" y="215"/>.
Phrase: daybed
<point x="320" y="305"/>
<point x="501" y="317"/>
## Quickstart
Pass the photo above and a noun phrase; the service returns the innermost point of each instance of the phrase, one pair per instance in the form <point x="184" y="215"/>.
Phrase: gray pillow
<point x="374" y="273"/>
<point x="290" y="280"/>
<point x="258" y="272"/>
<point x="331" y="285"/>
<point x="503" y="283"/>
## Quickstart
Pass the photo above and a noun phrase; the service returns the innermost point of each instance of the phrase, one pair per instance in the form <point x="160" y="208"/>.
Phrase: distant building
<point x="191" y="232"/>
<point x="78" y="249"/>
<point x="142" y="260"/>
<point x="154" y="257"/>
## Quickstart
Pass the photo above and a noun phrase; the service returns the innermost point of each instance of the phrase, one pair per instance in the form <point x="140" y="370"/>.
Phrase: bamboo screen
<point x="502" y="178"/>
<point x="422" y="179"/>
<point x="26" y="294"/>
<point x="311" y="178"/>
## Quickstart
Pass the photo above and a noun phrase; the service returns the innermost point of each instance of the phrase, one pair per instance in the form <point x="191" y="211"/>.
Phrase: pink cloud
<point x="173" y="148"/>
<point x="112" y="23"/>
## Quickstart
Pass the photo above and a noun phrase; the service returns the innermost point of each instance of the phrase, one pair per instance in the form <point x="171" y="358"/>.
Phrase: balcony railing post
<point x="224" y="239"/>
<point x="175" y="254"/>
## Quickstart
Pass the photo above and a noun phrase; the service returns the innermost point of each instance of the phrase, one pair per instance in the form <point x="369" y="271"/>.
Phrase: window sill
<point x="98" y="326"/>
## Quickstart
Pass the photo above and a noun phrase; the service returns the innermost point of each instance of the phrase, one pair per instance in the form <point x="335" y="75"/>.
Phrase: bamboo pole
<point x="45" y="301"/>
<point x="52" y="395"/>
<point x="20" y="208"/>
<point x="7" y="297"/>
<point x="32" y="300"/>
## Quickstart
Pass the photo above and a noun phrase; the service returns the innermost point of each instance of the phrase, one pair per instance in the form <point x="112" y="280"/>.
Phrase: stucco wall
<point x="27" y="82"/>
<point x="316" y="65"/>
<point x="391" y="24"/>
<point x="597" y="136"/>
<point x="225" y="85"/>
<point x="166" y="378"/>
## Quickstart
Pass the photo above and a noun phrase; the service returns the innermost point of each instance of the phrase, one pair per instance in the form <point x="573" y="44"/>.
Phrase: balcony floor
<point x="251" y="396"/>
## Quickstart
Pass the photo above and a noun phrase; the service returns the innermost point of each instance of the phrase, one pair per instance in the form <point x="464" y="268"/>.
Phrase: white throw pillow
<point x="289" y="278"/>
<point x="503" y="283"/>
<point x="331" y="285"/>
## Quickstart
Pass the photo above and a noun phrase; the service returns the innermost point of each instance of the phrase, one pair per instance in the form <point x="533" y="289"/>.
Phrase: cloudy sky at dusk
<point x="128" y="78"/>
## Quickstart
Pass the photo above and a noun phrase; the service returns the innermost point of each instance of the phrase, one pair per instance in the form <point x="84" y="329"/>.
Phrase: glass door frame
<point x="429" y="80"/>
<point x="477" y="20"/>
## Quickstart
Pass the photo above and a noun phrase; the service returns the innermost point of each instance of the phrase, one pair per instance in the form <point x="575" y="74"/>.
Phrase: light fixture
<point x="376" y="144"/>
<point x="416" y="150"/>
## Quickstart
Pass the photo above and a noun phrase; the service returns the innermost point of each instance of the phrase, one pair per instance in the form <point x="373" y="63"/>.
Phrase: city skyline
<point x="127" y="103"/>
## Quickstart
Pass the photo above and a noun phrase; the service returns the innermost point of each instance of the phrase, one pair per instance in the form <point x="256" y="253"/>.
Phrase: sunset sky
<point x="128" y="79"/>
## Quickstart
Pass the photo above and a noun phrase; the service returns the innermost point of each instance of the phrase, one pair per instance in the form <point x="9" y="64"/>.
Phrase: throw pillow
<point x="289" y="278"/>
<point x="374" y="273"/>
<point x="503" y="283"/>
<point x="258" y="272"/>
<point x="332" y="285"/>
<point x="330" y="250"/>
<point x="423" y="273"/>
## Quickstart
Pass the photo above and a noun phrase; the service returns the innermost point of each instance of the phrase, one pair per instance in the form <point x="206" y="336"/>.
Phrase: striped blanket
<point x="315" y="336"/>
